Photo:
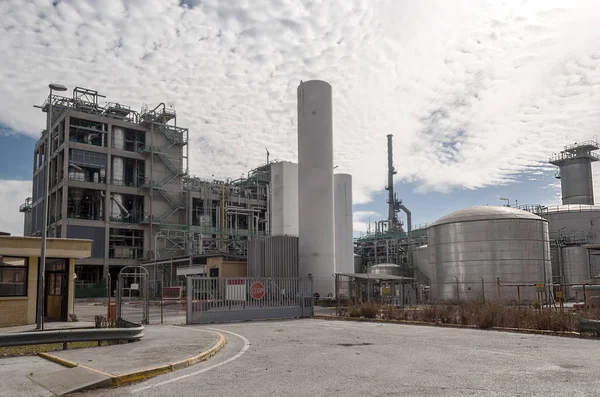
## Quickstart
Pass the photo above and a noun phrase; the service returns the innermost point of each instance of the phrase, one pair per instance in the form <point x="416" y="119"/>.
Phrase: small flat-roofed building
<point x="19" y="259"/>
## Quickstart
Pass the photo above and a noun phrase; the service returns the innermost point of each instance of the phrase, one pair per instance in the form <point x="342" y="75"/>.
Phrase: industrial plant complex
<point x="121" y="178"/>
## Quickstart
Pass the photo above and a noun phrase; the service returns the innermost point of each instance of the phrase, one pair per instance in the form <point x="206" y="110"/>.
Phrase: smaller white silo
<point x="344" y="241"/>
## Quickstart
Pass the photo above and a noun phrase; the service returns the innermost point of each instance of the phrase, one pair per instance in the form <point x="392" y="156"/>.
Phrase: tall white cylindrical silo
<point x="315" y="186"/>
<point x="344" y="241"/>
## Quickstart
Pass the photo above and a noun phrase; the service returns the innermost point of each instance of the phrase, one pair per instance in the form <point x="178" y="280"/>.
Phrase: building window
<point x="13" y="276"/>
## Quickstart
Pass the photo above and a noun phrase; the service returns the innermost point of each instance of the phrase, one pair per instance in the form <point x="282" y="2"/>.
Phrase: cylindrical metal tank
<point x="358" y="265"/>
<point x="315" y="185"/>
<point x="421" y="261"/>
<point x="385" y="269"/>
<point x="576" y="182"/>
<point x="472" y="249"/>
<point x="118" y="138"/>
<point x="344" y="238"/>
<point x="118" y="169"/>
<point x="575" y="265"/>
<point x="573" y="223"/>
<point x="284" y="198"/>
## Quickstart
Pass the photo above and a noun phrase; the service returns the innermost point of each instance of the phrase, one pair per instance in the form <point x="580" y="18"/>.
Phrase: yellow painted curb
<point x="58" y="360"/>
<point x="119" y="380"/>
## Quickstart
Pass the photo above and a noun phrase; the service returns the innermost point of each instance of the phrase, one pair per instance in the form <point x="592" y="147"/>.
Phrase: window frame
<point x="25" y="280"/>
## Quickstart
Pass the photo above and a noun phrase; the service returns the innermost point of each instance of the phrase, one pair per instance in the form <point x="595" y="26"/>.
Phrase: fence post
<point x="482" y="290"/>
<point x="337" y="294"/>
<point x="118" y="300"/>
<point x="188" y="300"/>
<point x="499" y="281"/>
<point x="108" y="288"/>
<point x="457" y="291"/>
<point x="302" y="296"/>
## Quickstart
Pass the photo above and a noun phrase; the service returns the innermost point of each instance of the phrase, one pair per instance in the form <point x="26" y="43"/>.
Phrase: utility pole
<point x="42" y="262"/>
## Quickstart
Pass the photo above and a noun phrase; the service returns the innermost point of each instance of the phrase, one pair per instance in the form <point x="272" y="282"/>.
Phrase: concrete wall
<point x="284" y="198"/>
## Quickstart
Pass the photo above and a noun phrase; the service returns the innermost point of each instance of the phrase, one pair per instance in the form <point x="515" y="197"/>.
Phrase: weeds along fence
<point x="478" y="314"/>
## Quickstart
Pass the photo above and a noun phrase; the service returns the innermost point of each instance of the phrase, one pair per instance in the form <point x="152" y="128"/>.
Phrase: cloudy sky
<point x="477" y="94"/>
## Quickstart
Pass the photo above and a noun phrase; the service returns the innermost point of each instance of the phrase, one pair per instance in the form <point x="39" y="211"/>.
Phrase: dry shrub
<point x="444" y="314"/>
<point x="482" y="315"/>
<point x="590" y="314"/>
<point x="366" y="310"/>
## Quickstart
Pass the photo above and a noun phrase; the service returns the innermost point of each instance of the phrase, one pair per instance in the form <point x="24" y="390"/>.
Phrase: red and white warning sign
<point x="257" y="290"/>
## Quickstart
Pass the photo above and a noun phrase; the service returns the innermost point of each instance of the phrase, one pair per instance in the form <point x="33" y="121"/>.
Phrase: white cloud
<point x="12" y="195"/>
<point x="474" y="92"/>
<point x="361" y="220"/>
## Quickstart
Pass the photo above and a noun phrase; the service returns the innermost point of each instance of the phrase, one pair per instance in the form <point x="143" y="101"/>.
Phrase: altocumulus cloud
<point x="474" y="92"/>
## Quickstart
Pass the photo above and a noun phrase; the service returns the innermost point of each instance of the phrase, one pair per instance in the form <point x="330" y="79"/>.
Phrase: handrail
<point x="70" y="335"/>
<point x="554" y="209"/>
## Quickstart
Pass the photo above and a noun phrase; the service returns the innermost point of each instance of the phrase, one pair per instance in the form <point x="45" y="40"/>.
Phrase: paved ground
<point x="328" y="358"/>
<point x="26" y="376"/>
<point x="14" y="372"/>
<point x="161" y="345"/>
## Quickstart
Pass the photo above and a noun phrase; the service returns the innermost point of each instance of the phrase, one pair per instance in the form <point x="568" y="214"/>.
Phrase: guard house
<point x="19" y="258"/>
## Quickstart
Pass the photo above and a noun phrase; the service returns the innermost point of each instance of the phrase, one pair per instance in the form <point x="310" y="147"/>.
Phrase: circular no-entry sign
<point x="257" y="290"/>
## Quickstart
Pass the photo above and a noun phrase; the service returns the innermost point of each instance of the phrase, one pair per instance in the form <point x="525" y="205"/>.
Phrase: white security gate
<point x="132" y="295"/>
<point x="220" y="299"/>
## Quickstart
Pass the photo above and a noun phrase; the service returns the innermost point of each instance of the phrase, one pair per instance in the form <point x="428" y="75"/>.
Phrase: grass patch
<point x="31" y="350"/>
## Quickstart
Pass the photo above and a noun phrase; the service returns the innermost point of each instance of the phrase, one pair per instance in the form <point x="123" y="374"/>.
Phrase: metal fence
<point x="132" y="300"/>
<point x="216" y="300"/>
<point x="394" y="291"/>
<point x="513" y="293"/>
<point x="93" y="301"/>
<point x="387" y="290"/>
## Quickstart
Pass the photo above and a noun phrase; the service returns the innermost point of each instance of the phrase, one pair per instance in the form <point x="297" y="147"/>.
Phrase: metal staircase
<point x="175" y="137"/>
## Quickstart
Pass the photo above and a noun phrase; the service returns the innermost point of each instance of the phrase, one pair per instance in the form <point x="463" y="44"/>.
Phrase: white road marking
<point x="240" y="354"/>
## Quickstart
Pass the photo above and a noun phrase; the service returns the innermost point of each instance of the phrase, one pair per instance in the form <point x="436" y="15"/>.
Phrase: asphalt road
<point x="329" y="358"/>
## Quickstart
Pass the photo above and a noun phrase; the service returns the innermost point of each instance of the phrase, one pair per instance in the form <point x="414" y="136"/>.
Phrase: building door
<point x="57" y="290"/>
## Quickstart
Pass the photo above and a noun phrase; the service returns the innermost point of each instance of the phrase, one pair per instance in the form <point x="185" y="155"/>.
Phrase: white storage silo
<point x="344" y="240"/>
<point x="284" y="198"/>
<point x="315" y="185"/>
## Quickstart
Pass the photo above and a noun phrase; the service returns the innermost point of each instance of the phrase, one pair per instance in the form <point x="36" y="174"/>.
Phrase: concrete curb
<point x="58" y="360"/>
<point x="137" y="376"/>
<point x="422" y="323"/>
<point x="163" y="369"/>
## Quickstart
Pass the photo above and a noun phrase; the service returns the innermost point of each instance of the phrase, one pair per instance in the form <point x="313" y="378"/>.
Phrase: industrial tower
<point x="575" y="172"/>
<point x="394" y="205"/>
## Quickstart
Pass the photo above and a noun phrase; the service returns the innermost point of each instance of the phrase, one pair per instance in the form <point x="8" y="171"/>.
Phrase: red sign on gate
<point x="257" y="290"/>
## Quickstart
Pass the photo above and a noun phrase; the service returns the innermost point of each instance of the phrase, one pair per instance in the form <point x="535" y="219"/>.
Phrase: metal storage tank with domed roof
<point x="470" y="249"/>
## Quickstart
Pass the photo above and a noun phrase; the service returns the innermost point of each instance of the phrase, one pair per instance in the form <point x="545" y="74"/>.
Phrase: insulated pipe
<point x="390" y="187"/>
<point x="127" y="214"/>
<point x="408" y="217"/>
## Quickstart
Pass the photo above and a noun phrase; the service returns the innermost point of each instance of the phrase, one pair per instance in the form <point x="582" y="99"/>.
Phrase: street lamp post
<point x="42" y="262"/>
<point x="507" y="201"/>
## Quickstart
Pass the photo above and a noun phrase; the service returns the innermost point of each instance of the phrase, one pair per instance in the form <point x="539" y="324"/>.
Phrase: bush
<point x="482" y="315"/>
<point x="366" y="310"/>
